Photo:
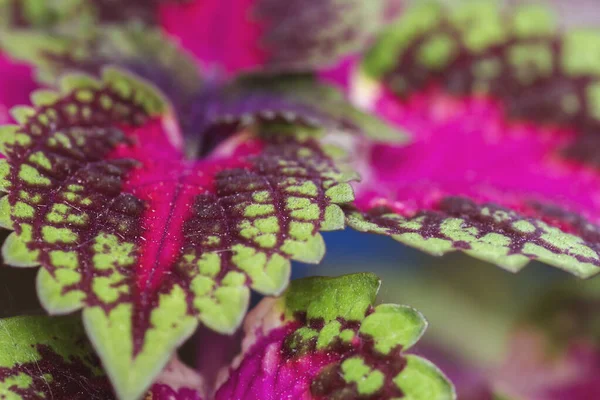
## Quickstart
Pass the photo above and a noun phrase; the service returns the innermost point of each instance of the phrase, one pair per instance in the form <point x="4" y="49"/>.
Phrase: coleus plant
<point x="322" y="339"/>
<point x="182" y="153"/>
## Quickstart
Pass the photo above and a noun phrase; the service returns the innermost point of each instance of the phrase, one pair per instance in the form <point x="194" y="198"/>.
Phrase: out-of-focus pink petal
<point x="532" y="371"/>
<point x="221" y="33"/>
<point x="234" y="35"/>
<point x="16" y="85"/>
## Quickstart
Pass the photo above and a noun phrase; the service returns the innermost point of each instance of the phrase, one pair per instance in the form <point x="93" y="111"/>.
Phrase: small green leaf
<point x="421" y="380"/>
<point x="391" y="326"/>
<point x="347" y="297"/>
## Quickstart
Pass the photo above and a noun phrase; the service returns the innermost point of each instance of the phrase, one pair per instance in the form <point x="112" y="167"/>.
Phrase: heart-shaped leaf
<point x="291" y="35"/>
<point x="147" y="242"/>
<point x="324" y="339"/>
<point x="42" y="357"/>
<point x="503" y="114"/>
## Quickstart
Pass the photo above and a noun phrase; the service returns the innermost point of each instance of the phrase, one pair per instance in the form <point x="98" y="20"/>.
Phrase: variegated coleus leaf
<point x="298" y="100"/>
<point x="142" y="50"/>
<point x="502" y="109"/>
<point x="207" y="108"/>
<point x="292" y="35"/>
<point x="325" y="339"/>
<point x="50" y="358"/>
<point x="147" y="242"/>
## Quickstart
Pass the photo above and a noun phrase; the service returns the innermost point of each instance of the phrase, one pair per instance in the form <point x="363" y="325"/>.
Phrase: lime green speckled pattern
<point x="335" y="319"/>
<point x="88" y="172"/>
<point x="496" y="235"/>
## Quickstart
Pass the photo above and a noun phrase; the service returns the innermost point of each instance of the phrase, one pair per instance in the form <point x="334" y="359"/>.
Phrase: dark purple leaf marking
<point x="324" y="340"/>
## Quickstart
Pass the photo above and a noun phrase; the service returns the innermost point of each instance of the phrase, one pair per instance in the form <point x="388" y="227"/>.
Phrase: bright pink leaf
<point x="501" y="113"/>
